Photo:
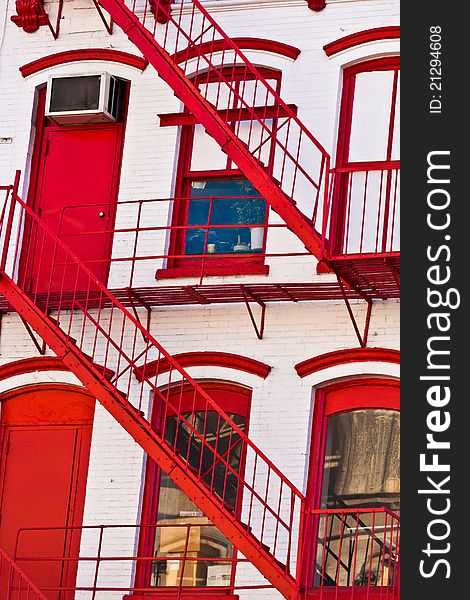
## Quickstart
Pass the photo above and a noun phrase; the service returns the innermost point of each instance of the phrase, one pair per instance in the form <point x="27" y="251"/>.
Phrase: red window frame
<point x="234" y="265"/>
<point x="371" y="393"/>
<point x="390" y="63"/>
<point x="232" y="398"/>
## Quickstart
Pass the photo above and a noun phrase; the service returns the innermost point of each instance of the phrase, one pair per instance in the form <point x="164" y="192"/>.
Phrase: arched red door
<point x="45" y="446"/>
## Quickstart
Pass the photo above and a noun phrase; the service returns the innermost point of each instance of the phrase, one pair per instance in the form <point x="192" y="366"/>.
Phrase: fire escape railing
<point x="141" y="247"/>
<point x="92" y="328"/>
<point x="356" y="555"/>
<point x="142" y="251"/>
<point x="364" y="211"/>
<point x="177" y="561"/>
<point x="356" y="549"/>
<point x="14" y="582"/>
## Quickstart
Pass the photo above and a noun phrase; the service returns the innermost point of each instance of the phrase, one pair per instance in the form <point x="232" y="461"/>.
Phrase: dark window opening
<point x="222" y="203"/>
<point x="175" y="511"/>
<point x="75" y="93"/>
<point x="231" y="213"/>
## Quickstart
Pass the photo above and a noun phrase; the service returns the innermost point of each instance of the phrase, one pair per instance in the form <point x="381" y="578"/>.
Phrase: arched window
<point x="218" y="214"/>
<point x="189" y="551"/>
<point x="354" y="486"/>
<point x="365" y="217"/>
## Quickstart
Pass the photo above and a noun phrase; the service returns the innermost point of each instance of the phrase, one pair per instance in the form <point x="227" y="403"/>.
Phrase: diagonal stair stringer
<point x="301" y="225"/>
<point x="140" y="430"/>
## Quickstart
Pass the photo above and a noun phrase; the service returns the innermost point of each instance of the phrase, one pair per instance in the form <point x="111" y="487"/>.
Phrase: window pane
<point x="232" y="203"/>
<point x="362" y="467"/>
<point x="257" y="138"/>
<point x="206" y="155"/>
<point x="371" y="116"/>
<point x="358" y="545"/>
<point x="176" y="511"/>
<point x="396" y="128"/>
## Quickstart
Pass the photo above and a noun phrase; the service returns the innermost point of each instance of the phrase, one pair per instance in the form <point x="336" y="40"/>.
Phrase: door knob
<point x="101" y="214"/>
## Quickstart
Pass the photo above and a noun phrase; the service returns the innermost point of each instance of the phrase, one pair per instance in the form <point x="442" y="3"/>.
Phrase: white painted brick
<point x="282" y="404"/>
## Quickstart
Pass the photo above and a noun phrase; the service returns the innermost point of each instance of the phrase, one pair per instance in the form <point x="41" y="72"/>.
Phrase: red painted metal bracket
<point x="160" y="10"/>
<point x="362" y="338"/>
<point x="395" y="274"/>
<point x="108" y="25"/>
<point x="247" y="297"/>
<point x="316" y="5"/>
<point x="30" y="16"/>
<point x="40" y="345"/>
<point x="135" y="297"/>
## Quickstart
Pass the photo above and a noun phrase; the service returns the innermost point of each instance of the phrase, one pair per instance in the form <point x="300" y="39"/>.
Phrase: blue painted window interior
<point x="234" y="202"/>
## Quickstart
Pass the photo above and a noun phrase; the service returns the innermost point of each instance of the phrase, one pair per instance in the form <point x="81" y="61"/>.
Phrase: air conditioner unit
<point x="82" y="99"/>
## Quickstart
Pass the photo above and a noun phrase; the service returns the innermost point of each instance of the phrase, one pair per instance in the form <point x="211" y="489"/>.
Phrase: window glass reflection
<point x="225" y="202"/>
<point x="185" y="532"/>
<point x="358" y="536"/>
<point x="362" y="466"/>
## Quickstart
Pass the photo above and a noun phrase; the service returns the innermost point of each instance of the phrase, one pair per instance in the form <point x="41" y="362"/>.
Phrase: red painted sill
<point x="212" y="270"/>
<point x="168" y="595"/>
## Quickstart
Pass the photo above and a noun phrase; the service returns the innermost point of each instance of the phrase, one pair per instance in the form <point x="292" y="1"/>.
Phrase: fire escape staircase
<point x="94" y="334"/>
<point x="108" y="350"/>
<point x="185" y="39"/>
<point x="16" y="583"/>
<point x="262" y="135"/>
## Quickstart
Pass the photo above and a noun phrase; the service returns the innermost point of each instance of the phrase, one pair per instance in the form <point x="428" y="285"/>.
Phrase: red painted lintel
<point x="265" y="112"/>
<point x="361" y="37"/>
<point x="244" y="43"/>
<point x="213" y="359"/>
<point x="102" y="54"/>
<point x="349" y="355"/>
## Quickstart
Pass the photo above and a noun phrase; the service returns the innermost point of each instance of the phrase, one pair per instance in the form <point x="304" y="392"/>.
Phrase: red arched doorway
<point x="45" y="446"/>
<point x="352" y="536"/>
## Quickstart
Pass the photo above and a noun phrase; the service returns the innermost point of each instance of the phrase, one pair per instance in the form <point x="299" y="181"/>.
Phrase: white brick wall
<point x="282" y="404"/>
<point x="148" y="145"/>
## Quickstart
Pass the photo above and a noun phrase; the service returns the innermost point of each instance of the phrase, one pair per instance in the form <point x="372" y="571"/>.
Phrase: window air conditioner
<point x="83" y="99"/>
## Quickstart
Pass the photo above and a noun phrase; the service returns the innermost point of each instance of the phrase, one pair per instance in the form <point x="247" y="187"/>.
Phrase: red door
<point x="75" y="195"/>
<point x="43" y="470"/>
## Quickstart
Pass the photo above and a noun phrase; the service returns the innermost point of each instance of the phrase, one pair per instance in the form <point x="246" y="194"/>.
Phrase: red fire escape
<point x="93" y="330"/>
